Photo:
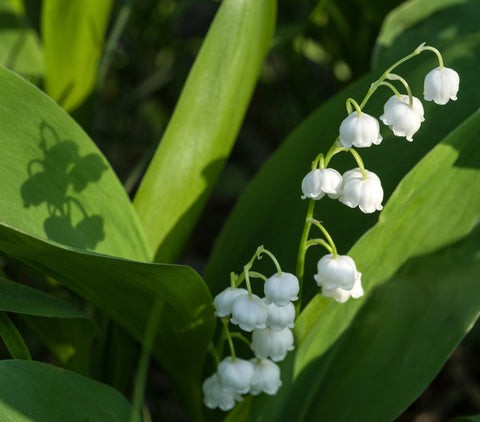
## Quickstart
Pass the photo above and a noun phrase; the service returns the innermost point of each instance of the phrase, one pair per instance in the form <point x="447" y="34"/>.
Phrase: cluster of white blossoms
<point x="403" y="114"/>
<point x="270" y="320"/>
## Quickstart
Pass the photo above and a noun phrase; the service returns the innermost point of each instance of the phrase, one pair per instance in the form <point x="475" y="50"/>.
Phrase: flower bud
<point x="214" y="396"/>
<point x="360" y="131"/>
<point x="224" y="300"/>
<point x="341" y="295"/>
<point x="249" y="313"/>
<point x="339" y="272"/>
<point x="266" y="378"/>
<point x="319" y="182"/>
<point x="280" y="317"/>
<point x="401" y="118"/>
<point x="268" y="343"/>
<point x="235" y="376"/>
<point x="366" y="194"/>
<point x="441" y="85"/>
<point x="281" y="289"/>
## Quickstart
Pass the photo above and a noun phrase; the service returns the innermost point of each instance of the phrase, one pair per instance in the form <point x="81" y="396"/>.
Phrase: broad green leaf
<point x="405" y="329"/>
<point x="55" y="183"/>
<point x="38" y="392"/>
<point x="12" y="338"/>
<point x="15" y="297"/>
<point x="73" y="35"/>
<point x="68" y="339"/>
<point x="205" y="124"/>
<point x="270" y="211"/>
<point x="466" y="419"/>
<point x="407" y="15"/>
<point x="127" y="291"/>
<point x="20" y="48"/>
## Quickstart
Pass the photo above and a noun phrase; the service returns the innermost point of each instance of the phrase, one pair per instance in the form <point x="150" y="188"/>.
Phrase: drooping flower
<point x="273" y="344"/>
<point x="214" y="396"/>
<point x="366" y="194"/>
<point x="441" y="85"/>
<point x="249" y="312"/>
<point x="266" y="378"/>
<point x="319" y="182"/>
<point x="341" y="295"/>
<point x="224" y="300"/>
<point x="339" y="272"/>
<point x="235" y="376"/>
<point x="280" y="317"/>
<point x="401" y="118"/>
<point x="281" y="289"/>
<point x="360" y="131"/>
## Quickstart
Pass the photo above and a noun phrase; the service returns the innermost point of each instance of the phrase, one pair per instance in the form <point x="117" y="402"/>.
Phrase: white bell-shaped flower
<point x="339" y="272"/>
<point x="249" y="312"/>
<point x="366" y="194"/>
<point x="235" y="376"/>
<point x="360" y="131"/>
<point x="214" y="396"/>
<point x="441" y="85"/>
<point x="273" y="344"/>
<point x="281" y="289"/>
<point x="280" y="317"/>
<point x="224" y="300"/>
<point x="319" y="182"/>
<point x="341" y="295"/>
<point x="266" y="378"/>
<point x="401" y="118"/>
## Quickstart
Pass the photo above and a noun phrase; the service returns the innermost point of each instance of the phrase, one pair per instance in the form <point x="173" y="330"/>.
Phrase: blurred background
<point x="319" y="48"/>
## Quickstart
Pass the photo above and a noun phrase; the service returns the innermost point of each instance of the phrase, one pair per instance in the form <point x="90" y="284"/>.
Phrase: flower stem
<point x="326" y="234"/>
<point x="302" y="250"/>
<point x="359" y="161"/>
<point x="262" y="250"/>
<point x="349" y="103"/>
<point x="229" y="338"/>
<point x="439" y="56"/>
<point x="395" y="77"/>
<point x="241" y="337"/>
<point x="321" y="242"/>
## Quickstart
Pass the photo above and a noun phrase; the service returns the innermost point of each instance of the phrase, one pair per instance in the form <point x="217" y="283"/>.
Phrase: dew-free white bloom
<point x="360" y="131"/>
<point x="280" y="317"/>
<point x="249" y="313"/>
<point x="339" y="272"/>
<point x="401" y="118"/>
<point x="269" y="343"/>
<point x="319" y="182"/>
<point x="224" y="300"/>
<point x="214" y="396"/>
<point x="441" y="85"/>
<point x="366" y="194"/>
<point x="281" y="289"/>
<point x="266" y="378"/>
<point x="235" y="376"/>
<point x="341" y="295"/>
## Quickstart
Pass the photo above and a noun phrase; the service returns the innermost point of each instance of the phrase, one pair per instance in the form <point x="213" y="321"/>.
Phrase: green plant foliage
<point x="466" y="419"/>
<point x="405" y="329"/>
<point x="73" y="34"/>
<point x="127" y="291"/>
<point x="34" y="392"/>
<point x="270" y="210"/>
<point x="17" y="298"/>
<point x="55" y="183"/>
<point x="20" y="49"/>
<point x="12" y="338"/>
<point x="205" y="123"/>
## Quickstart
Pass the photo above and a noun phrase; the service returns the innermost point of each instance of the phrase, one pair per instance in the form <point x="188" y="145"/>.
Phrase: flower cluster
<point x="403" y="113"/>
<point x="270" y="320"/>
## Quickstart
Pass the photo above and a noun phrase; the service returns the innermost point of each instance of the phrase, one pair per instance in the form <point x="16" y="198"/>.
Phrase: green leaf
<point x="55" y="183"/>
<point x="475" y="418"/>
<point x="270" y="211"/>
<point x="73" y="34"/>
<point x="20" y="48"/>
<point x="69" y="396"/>
<point x="405" y="329"/>
<point x="127" y="291"/>
<point x="15" y="297"/>
<point x="12" y="338"/>
<point x="205" y="123"/>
